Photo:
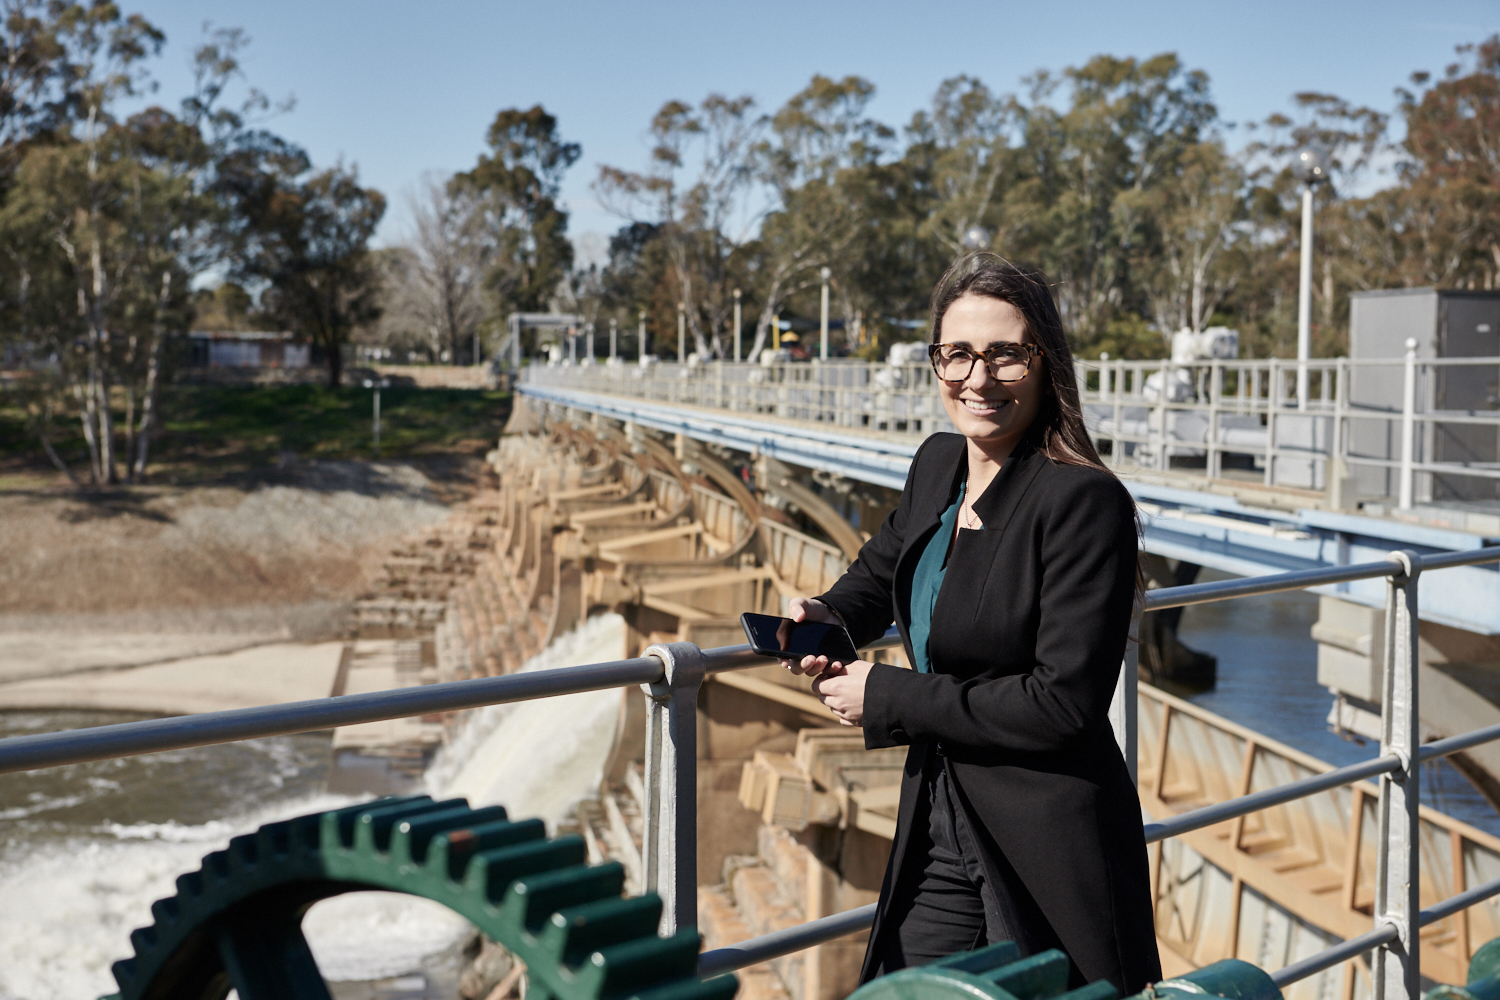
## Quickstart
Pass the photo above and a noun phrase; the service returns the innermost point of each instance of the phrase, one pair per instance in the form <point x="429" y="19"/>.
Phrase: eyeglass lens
<point x="1006" y="364"/>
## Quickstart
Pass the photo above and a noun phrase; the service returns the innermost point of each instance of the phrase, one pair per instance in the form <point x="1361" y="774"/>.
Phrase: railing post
<point x="671" y="822"/>
<point x="1163" y="460"/>
<point x="1396" y="972"/>
<point x="1408" y="424"/>
<point x="1273" y="393"/>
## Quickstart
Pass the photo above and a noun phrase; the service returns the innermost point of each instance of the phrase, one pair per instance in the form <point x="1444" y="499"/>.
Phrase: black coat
<point x="1027" y="638"/>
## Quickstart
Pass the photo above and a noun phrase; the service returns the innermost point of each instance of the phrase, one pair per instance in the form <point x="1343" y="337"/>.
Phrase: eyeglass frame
<point x="1032" y="351"/>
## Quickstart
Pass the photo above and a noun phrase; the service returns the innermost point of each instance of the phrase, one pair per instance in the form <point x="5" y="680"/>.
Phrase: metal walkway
<point x="1210" y="528"/>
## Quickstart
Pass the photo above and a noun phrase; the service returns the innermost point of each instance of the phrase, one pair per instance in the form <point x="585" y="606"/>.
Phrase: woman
<point x="1009" y="567"/>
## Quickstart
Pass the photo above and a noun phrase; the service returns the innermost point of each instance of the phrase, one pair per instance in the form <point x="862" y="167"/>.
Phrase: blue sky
<point x="407" y="89"/>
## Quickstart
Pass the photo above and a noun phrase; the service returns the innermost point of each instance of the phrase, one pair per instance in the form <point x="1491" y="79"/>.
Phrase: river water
<point x="84" y="850"/>
<point x="1268" y="681"/>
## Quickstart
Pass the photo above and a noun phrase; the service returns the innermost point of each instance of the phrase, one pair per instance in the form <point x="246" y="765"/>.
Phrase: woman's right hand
<point x="806" y="609"/>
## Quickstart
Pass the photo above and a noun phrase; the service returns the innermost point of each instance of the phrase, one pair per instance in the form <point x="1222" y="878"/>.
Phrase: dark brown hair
<point x="1059" y="430"/>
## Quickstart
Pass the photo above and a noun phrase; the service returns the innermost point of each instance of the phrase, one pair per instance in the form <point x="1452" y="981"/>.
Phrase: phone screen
<point x="774" y="636"/>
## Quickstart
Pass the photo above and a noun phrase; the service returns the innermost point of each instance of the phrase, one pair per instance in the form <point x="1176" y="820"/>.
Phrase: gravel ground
<point x="139" y="575"/>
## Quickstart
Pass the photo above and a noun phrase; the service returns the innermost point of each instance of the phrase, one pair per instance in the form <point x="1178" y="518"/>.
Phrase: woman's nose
<point x="979" y="376"/>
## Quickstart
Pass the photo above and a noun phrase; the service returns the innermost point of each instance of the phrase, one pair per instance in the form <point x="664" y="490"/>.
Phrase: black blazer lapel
<point x="1001" y="498"/>
<point x="932" y="486"/>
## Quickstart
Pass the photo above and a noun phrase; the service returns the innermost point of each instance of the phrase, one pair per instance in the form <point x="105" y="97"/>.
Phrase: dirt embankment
<point x="135" y="576"/>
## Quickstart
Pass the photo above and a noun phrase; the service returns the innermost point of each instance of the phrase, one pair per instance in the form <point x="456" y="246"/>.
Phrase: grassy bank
<point x="213" y="432"/>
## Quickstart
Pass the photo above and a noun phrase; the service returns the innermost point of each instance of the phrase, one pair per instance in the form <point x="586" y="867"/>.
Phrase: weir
<point x="1259" y="852"/>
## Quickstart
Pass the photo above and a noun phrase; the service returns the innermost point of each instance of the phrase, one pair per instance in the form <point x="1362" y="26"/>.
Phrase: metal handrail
<point x="1219" y="590"/>
<point x="785" y="941"/>
<point x="1356" y="946"/>
<point x="1244" y="805"/>
<point x="131" y="739"/>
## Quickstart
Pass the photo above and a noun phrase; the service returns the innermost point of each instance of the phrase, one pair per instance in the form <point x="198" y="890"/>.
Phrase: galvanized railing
<point x="1379" y="428"/>
<point x="672" y="673"/>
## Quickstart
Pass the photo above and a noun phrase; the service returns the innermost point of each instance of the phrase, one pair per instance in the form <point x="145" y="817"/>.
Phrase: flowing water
<point x="86" y="849"/>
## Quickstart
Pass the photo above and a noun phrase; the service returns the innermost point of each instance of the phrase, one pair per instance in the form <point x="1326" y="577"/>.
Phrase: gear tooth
<point x="623" y="969"/>
<point x="124" y="972"/>
<point x="274" y="840"/>
<point x="372" y="829"/>
<point x="190" y="884"/>
<point x="451" y="850"/>
<point x="143" y="939"/>
<point x="490" y="873"/>
<point x="166" y="911"/>
<point x="572" y="934"/>
<point x="215" y="868"/>
<point x="340" y="823"/>
<point x="413" y="836"/>
<point x="305" y="833"/>
<point x="244" y="850"/>
<point x="531" y="901"/>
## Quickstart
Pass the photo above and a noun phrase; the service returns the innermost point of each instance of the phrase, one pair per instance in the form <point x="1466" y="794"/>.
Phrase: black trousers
<point x="964" y="897"/>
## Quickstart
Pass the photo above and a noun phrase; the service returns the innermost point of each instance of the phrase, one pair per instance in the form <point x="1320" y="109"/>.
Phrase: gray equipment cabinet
<point x="1445" y="324"/>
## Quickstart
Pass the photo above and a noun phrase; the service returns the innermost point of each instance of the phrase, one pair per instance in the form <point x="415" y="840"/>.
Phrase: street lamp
<point x="377" y="385"/>
<point x="825" y="274"/>
<point x="643" y="336"/>
<point x="614" y="336"/>
<point x="681" y="332"/>
<point x="1310" y="166"/>
<point x="736" y="324"/>
<point x="976" y="238"/>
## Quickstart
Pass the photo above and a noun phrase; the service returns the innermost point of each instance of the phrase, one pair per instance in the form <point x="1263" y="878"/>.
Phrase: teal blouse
<point x="927" y="580"/>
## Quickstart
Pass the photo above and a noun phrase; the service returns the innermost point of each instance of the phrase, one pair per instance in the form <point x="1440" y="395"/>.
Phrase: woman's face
<point x="993" y="415"/>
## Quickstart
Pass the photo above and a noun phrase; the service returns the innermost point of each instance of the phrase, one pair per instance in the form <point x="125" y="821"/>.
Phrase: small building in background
<point x="247" y="349"/>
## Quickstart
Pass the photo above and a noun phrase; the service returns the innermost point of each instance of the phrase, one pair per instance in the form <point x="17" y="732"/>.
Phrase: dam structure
<point x="676" y="497"/>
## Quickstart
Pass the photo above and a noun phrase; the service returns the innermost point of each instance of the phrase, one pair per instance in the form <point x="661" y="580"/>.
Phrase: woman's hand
<point x="806" y="609"/>
<point x="842" y="689"/>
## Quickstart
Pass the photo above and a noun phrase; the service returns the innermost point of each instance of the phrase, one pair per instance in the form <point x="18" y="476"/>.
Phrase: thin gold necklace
<point x="966" y="505"/>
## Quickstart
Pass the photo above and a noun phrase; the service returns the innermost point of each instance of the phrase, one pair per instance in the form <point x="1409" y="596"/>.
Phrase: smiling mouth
<point x="983" y="404"/>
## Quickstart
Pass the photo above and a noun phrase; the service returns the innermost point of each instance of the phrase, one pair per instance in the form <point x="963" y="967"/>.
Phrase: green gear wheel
<point x="236" y="923"/>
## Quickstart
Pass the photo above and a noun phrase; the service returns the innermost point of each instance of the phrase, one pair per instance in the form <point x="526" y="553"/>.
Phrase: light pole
<point x="825" y="274"/>
<point x="590" y="335"/>
<point x="1311" y="167"/>
<point x="614" y="337"/>
<point x="681" y="332"/>
<point x="736" y="324"/>
<point x="643" y="336"/>
<point x="377" y="385"/>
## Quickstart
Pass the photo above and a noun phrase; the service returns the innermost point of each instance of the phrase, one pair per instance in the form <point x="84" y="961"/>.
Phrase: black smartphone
<point x="789" y="640"/>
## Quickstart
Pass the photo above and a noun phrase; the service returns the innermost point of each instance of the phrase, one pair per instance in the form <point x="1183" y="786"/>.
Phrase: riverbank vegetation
<point x="244" y="433"/>
<point x="1148" y="210"/>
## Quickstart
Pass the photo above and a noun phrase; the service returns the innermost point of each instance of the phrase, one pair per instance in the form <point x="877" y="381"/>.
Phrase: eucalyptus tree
<point x="816" y="162"/>
<point x="433" y="285"/>
<point x="961" y="148"/>
<point x="1125" y="128"/>
<point x="510" y="210"/>
<point x="696" y="193"/>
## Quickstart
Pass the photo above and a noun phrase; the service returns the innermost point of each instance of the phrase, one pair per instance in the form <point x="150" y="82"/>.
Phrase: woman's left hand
<point x="842" y="689"/>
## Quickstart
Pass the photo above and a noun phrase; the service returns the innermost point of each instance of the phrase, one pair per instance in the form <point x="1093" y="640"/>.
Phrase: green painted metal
<point x="1484" y="978"/>
<point x="1231" y="979"/>
<point x="999" y="973"/>
<point x="236" y="922"/>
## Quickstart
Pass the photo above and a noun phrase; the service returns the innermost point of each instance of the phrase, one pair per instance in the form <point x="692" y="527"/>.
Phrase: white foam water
<point x="67" y="906"/>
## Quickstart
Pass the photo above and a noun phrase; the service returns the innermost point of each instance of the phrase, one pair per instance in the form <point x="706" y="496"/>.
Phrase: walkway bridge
<point x="1228" y="471"/>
